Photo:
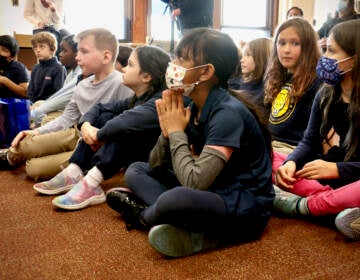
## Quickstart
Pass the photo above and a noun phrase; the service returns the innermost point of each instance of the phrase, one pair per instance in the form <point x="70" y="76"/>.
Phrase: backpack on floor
<point x="14" y="117"/>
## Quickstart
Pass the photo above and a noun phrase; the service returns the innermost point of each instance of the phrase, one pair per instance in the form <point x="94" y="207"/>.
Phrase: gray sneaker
<point x="285" y="202"/>
<point x="346" y="222"/>
<point x="176" y="242"/>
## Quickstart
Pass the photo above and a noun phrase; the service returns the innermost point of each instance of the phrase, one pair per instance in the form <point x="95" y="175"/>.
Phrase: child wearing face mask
<point x="328" y="184"/>
<point x="14" y="76"/>
<point x="208" y="180"/>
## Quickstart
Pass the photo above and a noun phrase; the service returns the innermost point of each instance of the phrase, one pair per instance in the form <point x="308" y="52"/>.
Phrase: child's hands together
<point x="285" y="175"/>
<point x="319" y="169"/>
<point x="89" y="135"/>
<point x="171" y="112"/>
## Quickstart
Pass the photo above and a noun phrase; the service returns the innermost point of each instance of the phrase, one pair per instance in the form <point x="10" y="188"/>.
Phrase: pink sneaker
<point x="58" y="184"/>
<point x="80" y="196"/>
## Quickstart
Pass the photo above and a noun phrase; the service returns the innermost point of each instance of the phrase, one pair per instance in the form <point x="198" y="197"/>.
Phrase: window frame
<point x="271" y="17"/>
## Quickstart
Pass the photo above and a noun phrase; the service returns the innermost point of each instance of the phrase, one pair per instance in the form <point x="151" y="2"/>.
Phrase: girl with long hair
<point x="291" y="82"/>
<point x="328" y="184"/>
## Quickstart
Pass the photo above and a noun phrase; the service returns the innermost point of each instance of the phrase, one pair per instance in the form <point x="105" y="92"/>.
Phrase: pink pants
<point x="322" y="200"/>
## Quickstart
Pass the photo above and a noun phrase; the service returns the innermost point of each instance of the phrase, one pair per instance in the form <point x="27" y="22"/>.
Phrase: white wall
<point x="314" y="10"/>
<point x="12" y="19"/>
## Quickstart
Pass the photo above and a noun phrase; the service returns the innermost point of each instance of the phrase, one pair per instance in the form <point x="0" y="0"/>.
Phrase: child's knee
<point x="134" y="170"/>
<point x="38" y="169"/>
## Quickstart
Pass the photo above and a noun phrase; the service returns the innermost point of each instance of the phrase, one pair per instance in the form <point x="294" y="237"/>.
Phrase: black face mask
<point x="3" y="60"/>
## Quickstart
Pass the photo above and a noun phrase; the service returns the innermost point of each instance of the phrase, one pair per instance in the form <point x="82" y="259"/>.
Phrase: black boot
<point x="129" y="206"/>
<point x="4" y="163"/>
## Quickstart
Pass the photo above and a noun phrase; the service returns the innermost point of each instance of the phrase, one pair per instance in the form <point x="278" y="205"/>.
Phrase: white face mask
<point x="174" y="78"/>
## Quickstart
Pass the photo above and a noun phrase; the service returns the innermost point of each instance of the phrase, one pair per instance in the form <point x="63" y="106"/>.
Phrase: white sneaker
<point x="344" y="221"/>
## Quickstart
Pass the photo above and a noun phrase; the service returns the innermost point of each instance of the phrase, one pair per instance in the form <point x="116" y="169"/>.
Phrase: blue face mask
<point x="342" y="5"/>
<point x="328" y="71"/>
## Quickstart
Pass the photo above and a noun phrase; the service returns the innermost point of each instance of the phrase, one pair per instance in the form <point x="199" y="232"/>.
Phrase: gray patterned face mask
<point x="328" y="71"/>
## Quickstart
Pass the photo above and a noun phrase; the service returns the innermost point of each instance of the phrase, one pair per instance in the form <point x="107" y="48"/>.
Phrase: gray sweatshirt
<point x="86" y="94"/>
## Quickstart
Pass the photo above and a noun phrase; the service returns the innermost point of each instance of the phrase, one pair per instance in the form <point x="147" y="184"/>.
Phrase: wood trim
<point x="26" y="54"/>
<point x="139" y="21"/>
<point x="275" y="17"/>
<point x="217" y="14"/>
<point x="24" y="40"/>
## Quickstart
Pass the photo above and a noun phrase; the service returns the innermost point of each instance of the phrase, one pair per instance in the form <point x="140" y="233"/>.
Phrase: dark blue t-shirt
<point x="16" y="72"/>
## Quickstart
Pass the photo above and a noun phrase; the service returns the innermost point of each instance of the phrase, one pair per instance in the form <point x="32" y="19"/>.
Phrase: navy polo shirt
<point x="245" y="182"/>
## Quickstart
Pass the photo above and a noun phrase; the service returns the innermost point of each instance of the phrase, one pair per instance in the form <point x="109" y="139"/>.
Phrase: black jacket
<point x="194" y="13"/>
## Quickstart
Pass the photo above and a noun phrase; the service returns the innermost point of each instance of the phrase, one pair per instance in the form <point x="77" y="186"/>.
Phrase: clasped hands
<point x="286" y="176"/>
<point x="172" y="114"/>
<point x="89" y="135"/>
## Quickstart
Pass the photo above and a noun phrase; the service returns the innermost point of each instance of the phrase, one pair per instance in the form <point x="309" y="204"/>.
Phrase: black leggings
<point x="177" y="205"/>
<point x="195" y="210"/>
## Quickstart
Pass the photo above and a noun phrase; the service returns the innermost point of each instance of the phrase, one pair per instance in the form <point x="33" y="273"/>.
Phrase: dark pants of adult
<point x="114" y="155"/>
<point x="196" y="210"/>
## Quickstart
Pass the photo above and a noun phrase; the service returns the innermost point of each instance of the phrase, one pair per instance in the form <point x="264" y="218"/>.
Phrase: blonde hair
<point x="104" y="40"/>
<point x="45" y="38"/>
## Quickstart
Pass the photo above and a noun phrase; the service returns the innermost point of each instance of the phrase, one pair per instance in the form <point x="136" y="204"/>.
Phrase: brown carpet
<point x="39" y="242"/>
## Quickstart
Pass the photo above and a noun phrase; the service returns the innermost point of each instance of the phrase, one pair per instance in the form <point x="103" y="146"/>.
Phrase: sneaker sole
<point x="119" y="189"/>
<point x="98" y="199"/>
<point x="356" y="224"/>
<point x="342" y="223"/>
<point x="55" y="191"/>
<point x="176" y="242"/>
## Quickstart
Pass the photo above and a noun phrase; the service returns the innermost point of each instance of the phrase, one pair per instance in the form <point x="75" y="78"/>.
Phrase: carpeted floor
<point x="39" y="242"/>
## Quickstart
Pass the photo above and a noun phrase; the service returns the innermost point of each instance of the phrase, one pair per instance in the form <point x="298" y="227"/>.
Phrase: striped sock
<point x="302" y="206"/>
